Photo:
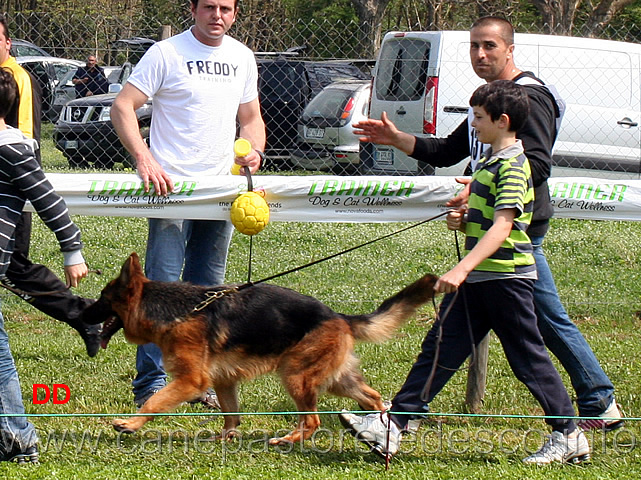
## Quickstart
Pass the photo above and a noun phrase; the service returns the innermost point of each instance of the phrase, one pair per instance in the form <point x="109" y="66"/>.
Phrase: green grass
<point x="597" y="267"/>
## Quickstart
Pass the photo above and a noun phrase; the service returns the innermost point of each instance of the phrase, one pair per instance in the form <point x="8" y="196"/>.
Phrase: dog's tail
<point x="380" y="325"/>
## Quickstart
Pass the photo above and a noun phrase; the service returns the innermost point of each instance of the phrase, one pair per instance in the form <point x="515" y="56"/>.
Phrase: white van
<point x="424" y="80"/>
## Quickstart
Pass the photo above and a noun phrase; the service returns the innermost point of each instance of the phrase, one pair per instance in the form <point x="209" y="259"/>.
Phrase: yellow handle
<point x="242" y="147"/>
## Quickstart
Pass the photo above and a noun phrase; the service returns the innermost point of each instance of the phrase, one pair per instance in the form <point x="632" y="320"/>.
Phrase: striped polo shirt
<point x="502" y="180"/>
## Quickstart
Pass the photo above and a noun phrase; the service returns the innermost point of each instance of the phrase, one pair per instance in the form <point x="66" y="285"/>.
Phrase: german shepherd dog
<point x="242" y="333"/>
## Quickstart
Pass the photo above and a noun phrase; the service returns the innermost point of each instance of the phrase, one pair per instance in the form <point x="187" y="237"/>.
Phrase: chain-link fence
<point x="298" y="59"/>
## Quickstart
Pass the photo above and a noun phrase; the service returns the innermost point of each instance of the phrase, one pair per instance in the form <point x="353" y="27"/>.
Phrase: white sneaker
<point x="375" y="430"/>
<point x="609" y="420"/>
<point x="561" y="448"/>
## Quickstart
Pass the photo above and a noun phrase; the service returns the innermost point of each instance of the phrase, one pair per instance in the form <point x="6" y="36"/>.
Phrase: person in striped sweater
<point x="22" y="180"/>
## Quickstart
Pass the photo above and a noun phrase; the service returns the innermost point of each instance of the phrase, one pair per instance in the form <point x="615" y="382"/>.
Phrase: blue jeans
<point x="198" y="249"/>
<point x="12" y="429"/>
<point x="593" y="388"/>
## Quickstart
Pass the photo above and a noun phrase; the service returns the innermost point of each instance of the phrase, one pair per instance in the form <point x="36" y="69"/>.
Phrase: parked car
<point x="326" y="139"/>
<point x="22" y="48"/>
<point x="286" y="85"/>
<point x="48" y="71"/>
<point x="85" y="135"/>
<point x="66" y="91"/>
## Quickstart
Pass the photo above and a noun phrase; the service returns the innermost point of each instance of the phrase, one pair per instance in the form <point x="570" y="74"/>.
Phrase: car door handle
<point x="628" y="122"/>
<point x="401" y="111"/>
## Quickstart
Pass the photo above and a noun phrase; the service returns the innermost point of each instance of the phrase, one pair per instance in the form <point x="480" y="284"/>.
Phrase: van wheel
<point x="77" y="161"/>
<point x="129" y="161"/>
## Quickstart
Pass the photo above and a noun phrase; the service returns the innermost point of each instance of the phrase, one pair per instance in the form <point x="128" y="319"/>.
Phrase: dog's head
<point x="112" y="309"/>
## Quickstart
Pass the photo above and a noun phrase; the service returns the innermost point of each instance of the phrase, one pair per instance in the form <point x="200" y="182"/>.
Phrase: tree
<point x="370" y="15"/>
<point x="559" y="16"/>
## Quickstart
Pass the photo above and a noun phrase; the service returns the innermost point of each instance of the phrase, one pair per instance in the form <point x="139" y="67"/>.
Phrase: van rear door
<point x="404" y="73"/>
<point x="423" y="81"/>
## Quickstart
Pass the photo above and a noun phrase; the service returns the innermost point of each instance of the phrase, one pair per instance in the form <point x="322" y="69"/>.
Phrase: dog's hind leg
<point x="351" y="384"/>
<point x="308" y="368"/>
<point x="305" y="396"/>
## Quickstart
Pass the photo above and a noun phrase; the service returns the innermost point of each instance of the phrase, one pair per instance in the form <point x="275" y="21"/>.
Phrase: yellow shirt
<point x="25" y="109"/>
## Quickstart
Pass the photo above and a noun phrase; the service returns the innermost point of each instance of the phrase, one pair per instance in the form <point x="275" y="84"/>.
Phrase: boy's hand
<point x="75" y="273"/>
<point x="454" y="219"/>
<point x="461" y="198"/>
<point x="452" y="280"/>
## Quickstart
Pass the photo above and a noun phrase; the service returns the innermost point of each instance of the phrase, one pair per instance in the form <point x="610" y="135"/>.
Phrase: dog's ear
<point x="130" y="268"/>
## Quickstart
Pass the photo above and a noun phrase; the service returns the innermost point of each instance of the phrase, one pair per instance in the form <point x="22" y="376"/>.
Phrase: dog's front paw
<point x="283" y="441"/>
<point x="125" y="426"/>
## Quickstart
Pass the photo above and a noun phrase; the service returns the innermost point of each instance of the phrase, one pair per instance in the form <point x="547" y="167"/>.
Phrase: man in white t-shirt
<point x="200" y="81"/>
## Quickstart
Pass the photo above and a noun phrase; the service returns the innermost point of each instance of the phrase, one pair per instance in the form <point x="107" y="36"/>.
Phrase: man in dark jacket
<point x="91" y="79"/>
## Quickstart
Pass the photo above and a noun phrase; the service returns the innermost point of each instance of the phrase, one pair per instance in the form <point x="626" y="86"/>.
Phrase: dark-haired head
<point x="506" y="28"/>
<point x="8" y="92"/>
<point x="503" y="97"/>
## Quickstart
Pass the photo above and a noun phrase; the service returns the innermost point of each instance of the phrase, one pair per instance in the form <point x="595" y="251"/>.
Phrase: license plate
<point x="314" y="133"/>
<point x="71" y="144"/>
<point x="384" y="157"/>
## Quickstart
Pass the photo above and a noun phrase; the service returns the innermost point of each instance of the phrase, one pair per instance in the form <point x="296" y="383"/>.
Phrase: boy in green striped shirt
<point x="491" y="289"/>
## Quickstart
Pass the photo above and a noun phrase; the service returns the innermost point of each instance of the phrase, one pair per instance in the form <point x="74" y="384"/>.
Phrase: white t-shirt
<point x="196" y="91"/>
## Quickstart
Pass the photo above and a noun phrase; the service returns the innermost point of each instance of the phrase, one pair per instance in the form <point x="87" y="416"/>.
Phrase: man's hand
<point x="151" y="172"/>
<point x="382" y="131"/>
<point x="75" y="273"/>
<point x="251" y="160"/>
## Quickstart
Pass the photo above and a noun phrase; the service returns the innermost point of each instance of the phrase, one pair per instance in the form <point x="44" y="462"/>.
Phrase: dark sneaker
<point x="140" y="401"/>
<point x="91" y="336"/>
<point x="561" y="448"/>
<point x="28" y="455"/>
<point x="375" y="430"/>
<point x="609" y="420"/>
<point x="209" y="399"/>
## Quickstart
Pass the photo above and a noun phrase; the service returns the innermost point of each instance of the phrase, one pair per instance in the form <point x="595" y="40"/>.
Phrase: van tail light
<point x="429" y="112"/>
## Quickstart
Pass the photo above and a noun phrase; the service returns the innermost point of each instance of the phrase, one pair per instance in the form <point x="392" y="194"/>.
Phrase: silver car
<point x="326" y="139"/>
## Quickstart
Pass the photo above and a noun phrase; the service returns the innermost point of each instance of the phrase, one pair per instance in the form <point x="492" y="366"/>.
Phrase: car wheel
<point x="77" y="161"/>
<point x="130" y="161"/>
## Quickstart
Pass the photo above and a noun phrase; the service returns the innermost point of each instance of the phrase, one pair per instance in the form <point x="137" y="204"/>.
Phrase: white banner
<point x="326" y="198"/>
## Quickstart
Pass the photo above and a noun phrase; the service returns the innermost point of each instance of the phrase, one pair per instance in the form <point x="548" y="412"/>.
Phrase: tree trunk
<point x="370" y="13"/>
<point x="602" y="15"/>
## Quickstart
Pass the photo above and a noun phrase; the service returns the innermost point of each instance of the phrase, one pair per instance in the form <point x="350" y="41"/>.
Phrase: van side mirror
<point x="115" y="88"/>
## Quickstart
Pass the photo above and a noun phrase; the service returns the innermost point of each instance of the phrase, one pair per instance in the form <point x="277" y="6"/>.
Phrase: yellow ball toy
<point x="250" y="213"/>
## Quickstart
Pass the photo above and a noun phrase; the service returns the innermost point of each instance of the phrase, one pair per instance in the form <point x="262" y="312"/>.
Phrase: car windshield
<point x="328" y="104"/>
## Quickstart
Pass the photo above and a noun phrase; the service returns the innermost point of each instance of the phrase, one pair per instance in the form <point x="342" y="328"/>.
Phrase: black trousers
<point x="32" y="277"/>
<point x="505" y="306"/>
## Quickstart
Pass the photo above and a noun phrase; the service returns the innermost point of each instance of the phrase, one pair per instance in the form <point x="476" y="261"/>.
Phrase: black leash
<point x="216" y="294"/>
<point x="439" y="336"/>
<point x="249" y="283"/>
<point x="351" y="249"/>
